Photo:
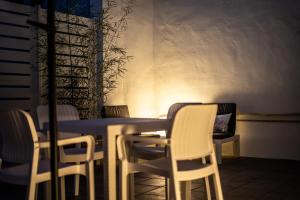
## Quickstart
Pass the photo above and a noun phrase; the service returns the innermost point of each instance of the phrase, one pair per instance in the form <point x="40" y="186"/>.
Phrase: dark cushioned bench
<point x="229" y="135"/>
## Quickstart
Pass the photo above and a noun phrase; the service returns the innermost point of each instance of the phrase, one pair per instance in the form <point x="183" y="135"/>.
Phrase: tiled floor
<point x="242" y="179"/>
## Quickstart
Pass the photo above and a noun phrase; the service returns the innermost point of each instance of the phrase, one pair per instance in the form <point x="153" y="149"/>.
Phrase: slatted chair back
<point x="191" y="132"/>
<point x="64" y="112"/>
<point x="175" y="107"/>
<point x="117" y="111"/>
<point x="17" y="137"/>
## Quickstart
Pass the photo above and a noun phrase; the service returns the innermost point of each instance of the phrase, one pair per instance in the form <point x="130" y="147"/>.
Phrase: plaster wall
<point x="233" y="51"/>
<point x="218" y="51"/>
<point x="136" y="88"/>
<point x="242" y="51"/>
<point x="268" y="140"/>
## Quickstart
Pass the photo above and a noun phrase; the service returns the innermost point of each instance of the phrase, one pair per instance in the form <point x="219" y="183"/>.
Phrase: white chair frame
<point x="181" y="149"/>
<point x="39" y="173"/>
<point x="71" y="155"/>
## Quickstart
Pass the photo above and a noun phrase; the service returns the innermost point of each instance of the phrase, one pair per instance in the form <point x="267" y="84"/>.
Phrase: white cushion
<point x="221" y="123"/>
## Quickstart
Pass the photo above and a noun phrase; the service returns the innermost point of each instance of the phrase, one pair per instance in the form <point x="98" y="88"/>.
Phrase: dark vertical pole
<point x="52" y="97"/>
<point x="99" y="80"/>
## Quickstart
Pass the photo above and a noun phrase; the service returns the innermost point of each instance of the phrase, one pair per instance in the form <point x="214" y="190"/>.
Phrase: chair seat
<point x="222" y="135"/>
<point x="226" y="139"/>
<point x="78" y="154"/>
<point x="148" y="152"/>
<point x="184" y="165"/>
<point x="19" y="174"/>
<point x="66" y="135"/>
<point x="162" y="166"/>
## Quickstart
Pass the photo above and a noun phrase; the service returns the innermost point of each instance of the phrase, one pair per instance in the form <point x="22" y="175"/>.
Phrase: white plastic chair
<point x="20" y="144"/>
<point x="68" y="155"/>
<point x="154" y="152"/>
<point x="188" y="142"/>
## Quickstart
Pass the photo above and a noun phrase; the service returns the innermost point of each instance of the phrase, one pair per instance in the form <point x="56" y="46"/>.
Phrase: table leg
<point x="110" y="165"/>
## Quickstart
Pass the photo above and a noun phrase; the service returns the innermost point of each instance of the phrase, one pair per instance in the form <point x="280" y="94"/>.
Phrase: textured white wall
<point x="269" y="140"/>
<point x="246" y="52"/>
<point x="216" y="51"/>
<point x="136" y="89"/>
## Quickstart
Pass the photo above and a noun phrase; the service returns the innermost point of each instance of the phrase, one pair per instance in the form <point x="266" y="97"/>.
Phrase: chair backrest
<point x="117" y="111"/>
<point x="175" y="107"/>
<point x="64" y="113"/>
<point x="18" y="134"/>
<point x="191" y="132"/>
<point x="226" y="108"/>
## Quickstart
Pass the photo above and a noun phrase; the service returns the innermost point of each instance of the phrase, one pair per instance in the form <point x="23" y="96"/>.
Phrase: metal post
<point x="99" y="68"/>
<point x="52" y="98"/>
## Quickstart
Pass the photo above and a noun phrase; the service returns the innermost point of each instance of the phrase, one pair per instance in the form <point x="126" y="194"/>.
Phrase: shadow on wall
<point x="260" y="102"/>
<point x="240" y="51"/>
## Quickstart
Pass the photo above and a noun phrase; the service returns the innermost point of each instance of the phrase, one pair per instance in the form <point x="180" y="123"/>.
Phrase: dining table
<point x="109" y="129"/>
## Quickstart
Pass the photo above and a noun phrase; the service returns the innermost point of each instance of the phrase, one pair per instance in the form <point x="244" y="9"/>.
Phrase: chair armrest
<point x="89" y="140"/>
<point x="149" y="135"/>
<point x="121" y="140"/>
<point x="41" y="136"/>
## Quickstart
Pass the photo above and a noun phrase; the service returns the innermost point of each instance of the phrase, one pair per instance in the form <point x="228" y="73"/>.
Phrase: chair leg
<point x="36" y="191"/>
<point x="171" y="192"/>
<point x="218" y="187"/>
<point x="62" y="188"/>
<point x="131" y="178"/>
<point x="123" y="174"/>
<point x="206" y="179"/>
<point x="175" y="185"/>
<point x="90" y="180"/>
<point x="131" y="186"/>
<point x="31" y="191"/>
<point x="167" y="188"/>
<point x="236" y="146"/>
<point x="76" y="184"/>
<point x="216" y="178"/>
<point x="219" y="152"/>
<point x="187" y="190"/>
<point x="177" y="192"/>
<point x="47" y="189"/>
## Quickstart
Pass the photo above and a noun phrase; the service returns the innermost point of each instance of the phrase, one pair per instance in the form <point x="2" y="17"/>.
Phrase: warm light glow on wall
<point x="141" y="101"/>
<point x="168" y="95"/>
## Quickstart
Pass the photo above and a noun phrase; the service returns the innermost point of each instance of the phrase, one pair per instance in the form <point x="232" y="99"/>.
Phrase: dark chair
<point x="122" y="111"/>
<point x="229" y="135"/>
<point x="116" y="111"/>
